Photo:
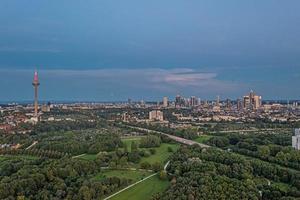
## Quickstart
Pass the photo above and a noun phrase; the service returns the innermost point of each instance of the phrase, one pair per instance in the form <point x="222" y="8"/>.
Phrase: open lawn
<point x="134" y="175"/>
<point x="161" y="154"/>
<point x="143" y="190"/>
<point x="203" y="138"/>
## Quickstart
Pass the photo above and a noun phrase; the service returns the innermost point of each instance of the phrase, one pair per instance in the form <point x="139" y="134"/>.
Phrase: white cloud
<point x="152" y="78"/>
<point x="151" y="83"/>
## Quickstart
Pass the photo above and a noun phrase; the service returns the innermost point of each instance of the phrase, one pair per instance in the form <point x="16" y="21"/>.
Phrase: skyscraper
<point x="239" y="104"/>
<point x="165" y="102"/>
<point x="193" y="101"/>
<point x="179" y="101"/>
<point x="36" y="84"/>
<point x="218" y="101"/>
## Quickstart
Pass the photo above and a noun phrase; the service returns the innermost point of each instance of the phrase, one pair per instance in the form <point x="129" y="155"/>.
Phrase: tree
<point x="134" y="146"/>
<point x="264" y="152"/>
<point x="150" y="141"/>
<point x="84" y="193"/>
<point x="163" y="175"/>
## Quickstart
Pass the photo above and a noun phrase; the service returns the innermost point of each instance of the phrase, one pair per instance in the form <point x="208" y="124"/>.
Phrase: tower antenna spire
<point x="36" y="84"/>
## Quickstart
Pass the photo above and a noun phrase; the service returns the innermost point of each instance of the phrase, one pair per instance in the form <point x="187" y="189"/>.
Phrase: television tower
<point x="36" y="84"/>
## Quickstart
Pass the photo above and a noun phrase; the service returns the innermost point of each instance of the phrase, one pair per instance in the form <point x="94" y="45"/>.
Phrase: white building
<point x="296" y="139"/>
<point x="156" y="115"/>
<point x="165" y="102"/>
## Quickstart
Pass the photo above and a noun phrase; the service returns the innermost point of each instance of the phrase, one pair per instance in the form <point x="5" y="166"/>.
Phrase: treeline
<point x="259" y="124"/>
<point x="268" y="147"/>
<point x="150" y="141"/>
<point x="63" y="125"/>
<point x="34" y="152"/>
<point x="79" y="142"/>
<point x="55" y="179"/>
<point x="197" y="173"/>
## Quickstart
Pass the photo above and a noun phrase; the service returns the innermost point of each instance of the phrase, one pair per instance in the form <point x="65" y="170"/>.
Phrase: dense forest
<point x="197" y="173"/>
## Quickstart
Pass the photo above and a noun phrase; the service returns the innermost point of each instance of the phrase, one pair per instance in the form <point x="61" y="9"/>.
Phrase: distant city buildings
<point x="46" y="108"/>
<point x="252" y="101"/>
<point x="156" y="115"/>
<point x="193" y="101"/>
<point x="165" y="102"/>
<point x="179" y="101"/>
<point x="296" y="139"/>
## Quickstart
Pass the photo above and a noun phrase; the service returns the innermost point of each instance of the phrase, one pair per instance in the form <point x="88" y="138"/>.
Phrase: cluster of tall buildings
<point x="251" y="101"/>
<point x="181" y="101"/>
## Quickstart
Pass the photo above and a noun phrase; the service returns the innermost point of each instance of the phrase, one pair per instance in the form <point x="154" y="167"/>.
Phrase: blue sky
<point x="115" y="49"/>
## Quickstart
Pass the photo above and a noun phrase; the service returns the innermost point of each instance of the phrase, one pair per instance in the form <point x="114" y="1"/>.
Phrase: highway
<point x="175" y="138"/>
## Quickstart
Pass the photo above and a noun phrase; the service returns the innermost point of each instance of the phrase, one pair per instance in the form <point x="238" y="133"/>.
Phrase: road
<point x="250" y="130"/>
<point x="34" y="143"/>
<point x="175" y="138"/>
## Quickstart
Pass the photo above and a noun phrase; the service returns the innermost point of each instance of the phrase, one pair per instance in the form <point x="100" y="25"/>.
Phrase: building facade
<point x="296" y="139"/>
<point x="156" y="115"/>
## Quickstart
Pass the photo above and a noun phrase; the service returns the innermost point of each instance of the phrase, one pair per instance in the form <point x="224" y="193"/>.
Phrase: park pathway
<point x="130" y="186"/>
<point x="34" y="143"/>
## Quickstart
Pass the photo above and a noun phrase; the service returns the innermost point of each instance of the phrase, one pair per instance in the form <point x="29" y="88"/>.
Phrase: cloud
<point x="117" y="84"/>
<point x="169" y="80"/>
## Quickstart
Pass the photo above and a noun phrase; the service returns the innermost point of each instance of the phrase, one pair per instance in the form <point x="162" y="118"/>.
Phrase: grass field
<point x="161" y="154"/>
<point x="143" y="190"/>
<point x="203" y="138"/>
<point x="128" y="174"/>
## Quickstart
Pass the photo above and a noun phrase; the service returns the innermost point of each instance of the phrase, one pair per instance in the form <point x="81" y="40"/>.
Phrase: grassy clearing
<point x="143" y="190"/>
<point x="161" y="154"/>
<point x="203" y="138"/>
<point x="281" y="186"/>
<point x="128" y="174"/>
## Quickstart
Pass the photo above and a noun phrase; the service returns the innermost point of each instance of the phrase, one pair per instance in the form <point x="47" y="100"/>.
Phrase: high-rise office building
<point x="193" y="101"/>
<point x="179" y="101"/>
<point x="239" y="104"/>
<point x="257" y="101"/>
<point x="165" y="102"/>
<point x="296" y="139"/>
<point x="218" y="101"/>
<point x="36" y="84"/>
<point x="228" y="104"/>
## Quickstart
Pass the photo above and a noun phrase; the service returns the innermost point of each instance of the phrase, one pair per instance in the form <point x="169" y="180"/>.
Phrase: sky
<point x="111" y="50"/>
